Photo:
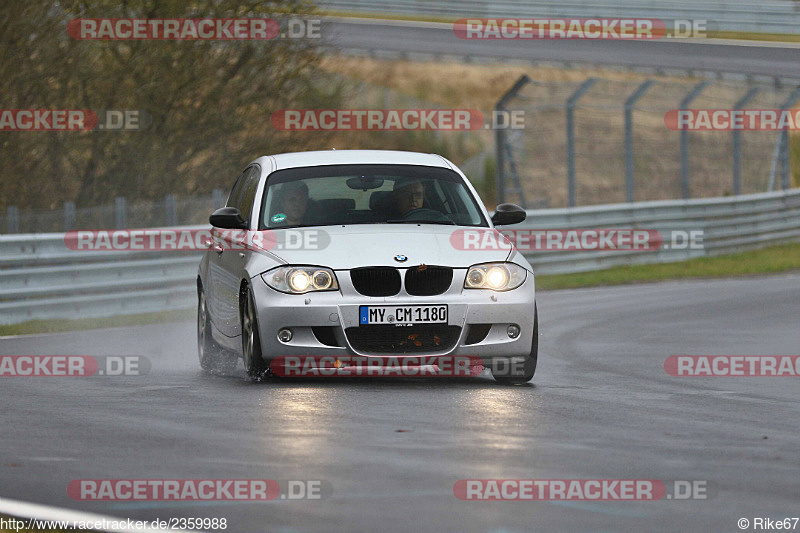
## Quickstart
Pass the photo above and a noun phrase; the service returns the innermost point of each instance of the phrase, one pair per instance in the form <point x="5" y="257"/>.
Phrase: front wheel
<point x="254" y="363"/>
<point x="213" y="357"/>
<point x="516" y="375"/>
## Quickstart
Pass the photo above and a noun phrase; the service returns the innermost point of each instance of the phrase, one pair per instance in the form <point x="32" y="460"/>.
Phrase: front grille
<point x="400" y="340"/>
<point x="376" y="281"/>
<point x="428" y="280"/>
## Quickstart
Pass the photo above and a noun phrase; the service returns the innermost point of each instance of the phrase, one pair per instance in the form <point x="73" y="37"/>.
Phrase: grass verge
<point x="772" y="260"/>
<point x="59" y="325"/>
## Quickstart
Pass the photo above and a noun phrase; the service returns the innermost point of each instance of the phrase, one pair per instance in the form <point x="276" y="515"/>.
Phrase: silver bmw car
<point x="358" y="253"/>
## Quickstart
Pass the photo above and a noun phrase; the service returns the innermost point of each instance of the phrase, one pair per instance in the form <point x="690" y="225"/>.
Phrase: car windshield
<point x="368" y="194"/>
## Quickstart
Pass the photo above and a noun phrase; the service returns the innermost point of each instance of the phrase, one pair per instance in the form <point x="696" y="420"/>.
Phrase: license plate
<point x="402" y="314"/>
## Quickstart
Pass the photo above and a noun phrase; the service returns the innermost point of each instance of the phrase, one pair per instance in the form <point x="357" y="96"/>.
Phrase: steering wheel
<point x="425" y="213"/>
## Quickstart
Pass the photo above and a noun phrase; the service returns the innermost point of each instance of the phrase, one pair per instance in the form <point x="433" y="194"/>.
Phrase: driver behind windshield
<point x="293" y="204"/>
<point x="409" y="197"/>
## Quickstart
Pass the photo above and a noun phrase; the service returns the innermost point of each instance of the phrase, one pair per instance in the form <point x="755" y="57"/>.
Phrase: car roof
<point x="356" y="157"/>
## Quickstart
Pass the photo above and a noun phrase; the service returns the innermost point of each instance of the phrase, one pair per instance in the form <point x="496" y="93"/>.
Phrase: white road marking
<point x="25" y="510"/>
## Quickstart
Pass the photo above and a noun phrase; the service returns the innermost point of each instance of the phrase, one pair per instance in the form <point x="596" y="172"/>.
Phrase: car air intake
<point x="376" y="281"/>
<point x="326" y="335"/>
<point x="428" y="280"/>
<point x="477" y="333"/>
<point x="420" y="338"/>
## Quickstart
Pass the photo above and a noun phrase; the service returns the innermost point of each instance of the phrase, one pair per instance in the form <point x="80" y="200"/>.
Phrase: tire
<point x="213" y="357"/>
<point x="254" y="363"/>
<point x="529" y="366"/>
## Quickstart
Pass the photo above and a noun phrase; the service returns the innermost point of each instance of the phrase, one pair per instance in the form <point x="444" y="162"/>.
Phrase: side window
<point x="248" y="195"/>
<point x="244" y="191"/>
<point x="237" y="189"/>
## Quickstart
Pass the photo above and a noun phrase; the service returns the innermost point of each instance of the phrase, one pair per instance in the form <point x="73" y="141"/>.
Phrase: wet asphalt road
<point x="600" y="406"/>
<point x="773" y="60"/>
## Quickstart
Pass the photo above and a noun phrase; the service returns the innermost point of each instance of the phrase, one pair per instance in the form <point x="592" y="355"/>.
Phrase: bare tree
<point x="206" y="104"/>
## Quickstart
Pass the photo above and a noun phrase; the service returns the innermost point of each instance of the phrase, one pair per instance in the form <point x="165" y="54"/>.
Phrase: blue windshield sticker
<point x="278" y="218"/>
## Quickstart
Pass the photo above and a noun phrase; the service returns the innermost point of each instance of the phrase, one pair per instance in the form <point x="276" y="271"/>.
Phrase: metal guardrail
<point x="765" y="16"/>
<point x="728" y="225"/>
<point x="40" y="278"/>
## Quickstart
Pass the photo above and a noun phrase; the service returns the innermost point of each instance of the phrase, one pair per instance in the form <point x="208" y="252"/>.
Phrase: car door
<point x="231" y="260"/>
<point x="215" y="282"/>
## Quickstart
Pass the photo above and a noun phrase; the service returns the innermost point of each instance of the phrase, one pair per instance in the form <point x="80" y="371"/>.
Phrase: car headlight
<point x="301" y="279"/>
<point x="495" y="276"/>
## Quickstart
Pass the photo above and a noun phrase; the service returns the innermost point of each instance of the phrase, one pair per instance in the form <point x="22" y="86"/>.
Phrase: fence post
<point x="120" y="213"/>
<point x="782" y="154"/>
<point x="737" y="143"/>
<point x="685" y="103"/>
<point x="217" y="199"/>
<point x="785" y="163"/>
<point x="571" y="101"/>
<point x="171" y="206"/>
<point x="12" y="219"/>
<point x="629" y="165"/>
<point x="786" y="153"/>
<point x="775" y="157"/>
<point x="69" y="215"/>
<point x="500" y="161"/>
<point x="501" y="141"/>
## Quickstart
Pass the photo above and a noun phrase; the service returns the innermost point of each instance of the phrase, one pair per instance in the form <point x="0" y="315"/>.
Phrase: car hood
<point x="346" y="247"/>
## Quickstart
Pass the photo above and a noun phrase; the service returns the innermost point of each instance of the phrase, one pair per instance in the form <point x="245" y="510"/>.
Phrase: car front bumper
<point x="337" y="311"/>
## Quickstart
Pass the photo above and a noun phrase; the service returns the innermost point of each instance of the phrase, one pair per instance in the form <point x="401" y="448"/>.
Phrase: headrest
<point x="380" y="200"/>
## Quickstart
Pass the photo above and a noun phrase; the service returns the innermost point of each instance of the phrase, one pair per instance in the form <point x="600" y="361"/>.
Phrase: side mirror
<point x="507" y="214"/>
<point x="228" y="218"/>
